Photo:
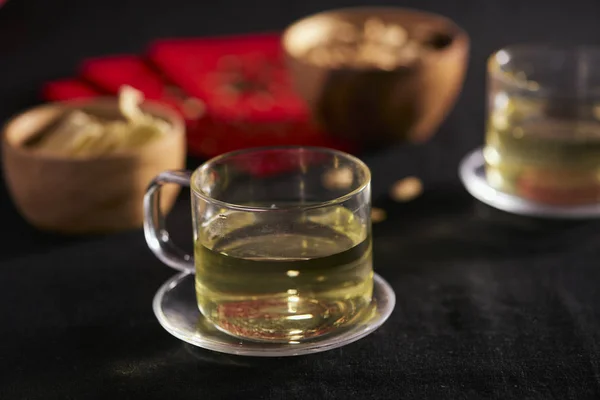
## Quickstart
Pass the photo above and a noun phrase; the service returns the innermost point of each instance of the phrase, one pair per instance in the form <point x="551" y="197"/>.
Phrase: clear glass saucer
<point x="176" y="309"/>
<point x="472" y="175"/>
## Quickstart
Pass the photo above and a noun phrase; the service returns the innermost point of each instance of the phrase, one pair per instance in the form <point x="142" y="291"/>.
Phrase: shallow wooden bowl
<point x="92" y="195"/>
<point x="377" y="107"/>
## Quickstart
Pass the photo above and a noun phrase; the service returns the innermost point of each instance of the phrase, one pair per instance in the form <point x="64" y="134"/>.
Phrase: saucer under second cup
<point x="472" y="175"/>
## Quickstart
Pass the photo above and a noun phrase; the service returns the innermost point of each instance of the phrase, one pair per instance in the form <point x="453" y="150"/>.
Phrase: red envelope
<point x="246" y="90"/>
<point x="110" y="73"/>
<point x="68" y="89"/>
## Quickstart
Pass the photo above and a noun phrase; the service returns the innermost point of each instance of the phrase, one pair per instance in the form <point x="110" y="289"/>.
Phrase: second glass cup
<point x="282" y="241"/>
<point x="543" y="130"/>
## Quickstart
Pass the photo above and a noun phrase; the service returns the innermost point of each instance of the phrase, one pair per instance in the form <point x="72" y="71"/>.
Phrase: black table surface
<point x="489" y="305"/>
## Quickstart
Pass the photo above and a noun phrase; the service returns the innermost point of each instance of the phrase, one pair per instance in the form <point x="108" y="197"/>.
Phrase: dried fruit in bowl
<point x="79" y="134"/>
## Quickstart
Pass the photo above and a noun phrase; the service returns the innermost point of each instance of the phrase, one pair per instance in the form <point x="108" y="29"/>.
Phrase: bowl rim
<point x="154" y="107"/>
<point x="461" y="38"/>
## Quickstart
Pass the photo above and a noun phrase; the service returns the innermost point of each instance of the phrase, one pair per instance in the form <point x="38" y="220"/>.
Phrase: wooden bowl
<point x="91" y="195"/>
<point x="372" y="106"/>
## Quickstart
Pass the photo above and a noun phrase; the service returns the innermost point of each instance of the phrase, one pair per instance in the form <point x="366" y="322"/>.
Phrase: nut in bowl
<point x="83" y="166"/>
<point x="377" y="75"/>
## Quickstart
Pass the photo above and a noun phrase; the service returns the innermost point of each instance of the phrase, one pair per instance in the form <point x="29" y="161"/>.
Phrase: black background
<point x="489" y="305"/>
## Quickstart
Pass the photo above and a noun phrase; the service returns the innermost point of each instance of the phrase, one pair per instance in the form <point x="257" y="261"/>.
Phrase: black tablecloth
<point x="489" y="305"/>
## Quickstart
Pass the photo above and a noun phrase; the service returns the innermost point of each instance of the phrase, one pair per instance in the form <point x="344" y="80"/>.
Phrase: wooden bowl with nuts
<point x="377" y="75"/>
<point x="83" y="166"/>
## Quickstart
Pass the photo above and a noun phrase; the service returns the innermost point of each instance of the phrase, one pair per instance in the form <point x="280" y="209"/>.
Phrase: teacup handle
<point x="156" y="234"/>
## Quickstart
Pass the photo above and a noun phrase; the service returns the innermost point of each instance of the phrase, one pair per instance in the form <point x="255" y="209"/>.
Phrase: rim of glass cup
<point x="494" y="64"/>
<point x="322" y="204"/>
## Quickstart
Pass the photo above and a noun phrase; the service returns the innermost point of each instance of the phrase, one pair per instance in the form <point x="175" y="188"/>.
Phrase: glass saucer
<point x="472" y="175"/>
<point x="176" y="309"/>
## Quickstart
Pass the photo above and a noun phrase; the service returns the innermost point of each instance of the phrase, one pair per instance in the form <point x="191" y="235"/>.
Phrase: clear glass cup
<point x="282" y="241"/>
<point x="543" y="127"/>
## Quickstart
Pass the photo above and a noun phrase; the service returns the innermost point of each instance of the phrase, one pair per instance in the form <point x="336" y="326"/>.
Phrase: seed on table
<point x="378" y="215"/>
<point x="406" y="189"/>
